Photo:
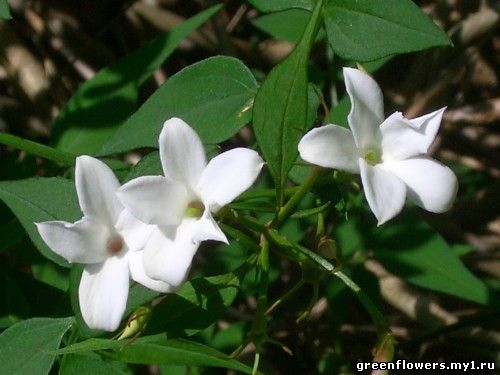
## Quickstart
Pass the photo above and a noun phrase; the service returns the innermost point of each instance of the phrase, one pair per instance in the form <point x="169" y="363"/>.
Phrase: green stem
<point x="312" y="302"/>
<point x="72" y="338"/>
<point x="303" y="189"/>
<point x="288" y="294"/>
<point x="375" y="314"/>
<point x="255" y="367"/>
<point x="38" y="149"/>
<point x="384" y="350"/>
<point x="320" y="228"/>
<point x="259" y="328"/>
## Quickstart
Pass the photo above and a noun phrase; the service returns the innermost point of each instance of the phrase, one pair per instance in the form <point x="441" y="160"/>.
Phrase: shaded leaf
<point x="28" y="347"/>
<point x="41" y="199"/>
<point x="411" y="249"/>
<point x="104" y="102"/>
<point x="198" y="304"/>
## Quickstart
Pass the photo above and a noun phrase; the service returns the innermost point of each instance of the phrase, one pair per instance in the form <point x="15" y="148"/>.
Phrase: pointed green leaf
<point x="35" y="200"/>
<point x="159" y="350"/>
<point x="277" y="5"/>
<point x="213" y="96"/>
<point x="280" y="109"/>
<point x="28" y="347"/>
<point x="364" y="30"/>
<point x="178" y="352"/>
<point x="411" y="249"/>
<point x="104" y="102"/>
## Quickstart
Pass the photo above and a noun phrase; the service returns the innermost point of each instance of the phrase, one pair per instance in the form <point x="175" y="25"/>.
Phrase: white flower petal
<point x="103" y="293"/>
<point x="430" y="184"/>
<point x="154" y="199"/>
<point x="330" y="146"/>
<point x="207" y="229"/>
<point x="429" y="125"/>
<point x="181" y="153"/>
<point x="96" y="186"/>
<point x="401" y="139"/>
<point x="384" y="191"/>
<point x="367" y="107"/>
<point x="135" y="233"/>
<point x="80" y="242"/>
<point x="167" y="256"/>
<point x="139" y="275"/>
<point x="228" y="175"/>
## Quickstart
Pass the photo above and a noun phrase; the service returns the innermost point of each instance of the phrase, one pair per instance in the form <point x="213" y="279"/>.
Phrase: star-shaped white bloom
<point x="108" y="240"/>
<point x="389" y="154"/>
<point x="181" y="202"/>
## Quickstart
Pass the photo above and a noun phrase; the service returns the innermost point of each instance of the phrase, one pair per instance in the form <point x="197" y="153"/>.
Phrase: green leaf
<point x="338" y="114"/>
<point x="92" y="364"/>
<point x="28" y="346"/>
<point x="280" y="110"/>
<point x="177" y="352"/>
<point x="150" y="165"/>
<point x="104" y="102"/>
<point x="42" y="299"/>
<point x="95" y="344"/>
<point x="277" y="5"/>
<point x="35" y="200"/>
<point x="365" y="30"/>
<point x="198" y="304"/>
<point x="158" y="350"/>
<point x="214" y="96"/>
<point x="4" y="10"/>
<point x="411" y="249"/>
<point x="287" y="25"/>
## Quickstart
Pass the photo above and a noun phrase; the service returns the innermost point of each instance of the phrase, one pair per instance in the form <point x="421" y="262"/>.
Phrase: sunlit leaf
<point x="364" y="30"/>
<point x="214" y="96"/>
<point x="281" y="106"/>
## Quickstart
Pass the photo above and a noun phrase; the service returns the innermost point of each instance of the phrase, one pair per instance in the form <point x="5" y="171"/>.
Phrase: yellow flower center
<point x="373" y="156"/>
<point x="194" y="210"/>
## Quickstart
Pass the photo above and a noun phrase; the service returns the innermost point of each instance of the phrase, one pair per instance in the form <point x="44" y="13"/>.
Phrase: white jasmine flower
<point x="182" y="201"/>
<point x="108" y="240"/>
<point x="389" y="154"/>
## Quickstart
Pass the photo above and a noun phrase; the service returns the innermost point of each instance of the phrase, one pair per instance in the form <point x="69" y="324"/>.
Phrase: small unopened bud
<point x="329" y="249"/>
<point x="136" y="322"/>
<point x="384" y="352"/>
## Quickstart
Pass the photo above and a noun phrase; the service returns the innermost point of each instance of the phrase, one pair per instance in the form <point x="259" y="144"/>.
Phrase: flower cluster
<point x="150" y="228"/>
